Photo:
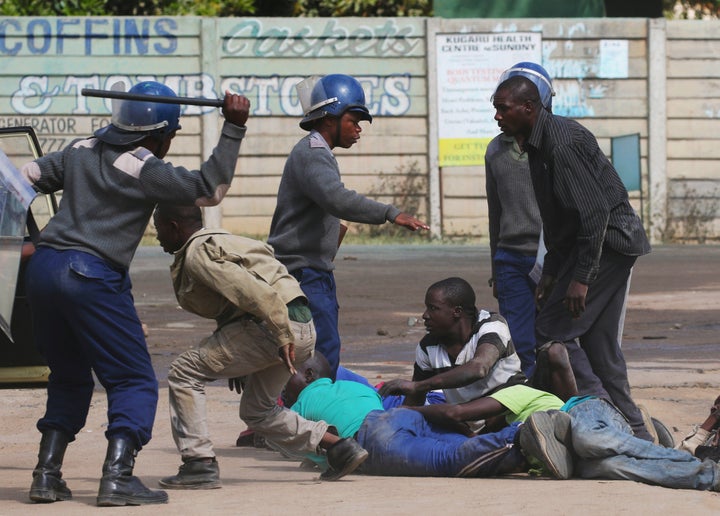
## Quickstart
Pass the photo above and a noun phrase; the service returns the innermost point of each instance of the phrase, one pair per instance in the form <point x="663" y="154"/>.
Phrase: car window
<point x="21" y="145"/>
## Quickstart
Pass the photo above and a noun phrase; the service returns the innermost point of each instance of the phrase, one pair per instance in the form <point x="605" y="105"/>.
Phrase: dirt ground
<point x="670" y="343"/>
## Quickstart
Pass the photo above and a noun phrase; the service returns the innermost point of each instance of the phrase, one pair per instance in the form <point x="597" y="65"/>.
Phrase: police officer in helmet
<point x="79" y="289"/>
<point x="312" y="199"/>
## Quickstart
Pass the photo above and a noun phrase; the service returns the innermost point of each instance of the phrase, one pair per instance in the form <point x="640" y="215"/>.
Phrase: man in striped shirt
<point x="468" y="353"/>
<point x="593" y="237"/>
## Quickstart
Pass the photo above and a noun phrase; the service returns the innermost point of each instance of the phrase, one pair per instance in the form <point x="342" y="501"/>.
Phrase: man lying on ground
<point x="400" y="441"/>
<point x="590" y="438"/>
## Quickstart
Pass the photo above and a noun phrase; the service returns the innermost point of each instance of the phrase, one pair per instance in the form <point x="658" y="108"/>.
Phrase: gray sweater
<point x="515" y="221"/>
<point x="109" y="192"/>
<point x="310" y="203"/>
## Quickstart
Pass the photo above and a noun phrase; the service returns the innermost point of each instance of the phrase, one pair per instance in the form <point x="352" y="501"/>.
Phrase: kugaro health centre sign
<point x="468" y="68"/>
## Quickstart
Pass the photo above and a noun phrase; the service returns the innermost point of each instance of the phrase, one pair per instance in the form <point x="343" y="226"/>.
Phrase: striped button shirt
<point x="583" y="202"/>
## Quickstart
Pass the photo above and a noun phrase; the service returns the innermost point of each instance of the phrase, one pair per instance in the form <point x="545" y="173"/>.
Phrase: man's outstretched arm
<point x="455" y="415"/>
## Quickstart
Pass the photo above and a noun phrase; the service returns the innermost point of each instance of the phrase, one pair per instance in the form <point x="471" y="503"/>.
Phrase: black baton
<point x="123" y="95"/>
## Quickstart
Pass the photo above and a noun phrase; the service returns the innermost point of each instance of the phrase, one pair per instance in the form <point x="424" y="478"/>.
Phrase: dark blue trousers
<point x="516" y="302"/>
<point x="400" y="442"/>
<point x="319" y="288"/>
<point x="84" y="320"/>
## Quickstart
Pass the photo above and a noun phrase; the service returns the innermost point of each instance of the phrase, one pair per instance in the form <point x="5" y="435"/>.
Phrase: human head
<point x="175" y="224"/>
<point x="537" y="75"/>
<point x="449" y="303"/>
<point x="517" y="103"/>
<point x="332" y="96"/>
<point x="134" y="120"/>
<point x="313" y="368"/>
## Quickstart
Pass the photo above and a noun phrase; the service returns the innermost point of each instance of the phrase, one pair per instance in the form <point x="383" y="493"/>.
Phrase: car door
<point x="20" y="362"/>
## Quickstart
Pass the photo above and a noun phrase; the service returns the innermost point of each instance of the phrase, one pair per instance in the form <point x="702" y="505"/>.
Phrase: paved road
<point x="673" y="308"/>
<point x="670" y="342"/>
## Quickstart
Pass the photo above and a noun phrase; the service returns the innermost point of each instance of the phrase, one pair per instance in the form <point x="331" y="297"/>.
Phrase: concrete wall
<point x="693" y="131"/>
<point x="571" y="54"/>
<point x="671" y="96"/>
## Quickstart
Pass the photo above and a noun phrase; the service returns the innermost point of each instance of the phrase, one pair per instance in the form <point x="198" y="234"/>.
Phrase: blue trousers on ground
<point x="389" y="401"/>
<point x="516" y="302"/>
<point x="606" y="448"/>
<point x="319" y="288"/>
<point x="84" y="320"/>
<point x="345" y="374"/>
<point x="593" y="339"/>
<point x="401" y="442"/>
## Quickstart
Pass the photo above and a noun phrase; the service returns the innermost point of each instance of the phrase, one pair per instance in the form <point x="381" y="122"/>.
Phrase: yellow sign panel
<point x="460" y="152"/>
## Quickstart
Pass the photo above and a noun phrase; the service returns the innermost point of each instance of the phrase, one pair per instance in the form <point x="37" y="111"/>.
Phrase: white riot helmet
<point x="331" y="95"/>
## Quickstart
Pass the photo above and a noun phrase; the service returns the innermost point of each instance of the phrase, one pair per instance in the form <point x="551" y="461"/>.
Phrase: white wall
<point x="671" y="96"/>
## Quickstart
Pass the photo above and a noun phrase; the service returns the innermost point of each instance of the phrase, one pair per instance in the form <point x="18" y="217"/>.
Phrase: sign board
<point x="468" y="68"/>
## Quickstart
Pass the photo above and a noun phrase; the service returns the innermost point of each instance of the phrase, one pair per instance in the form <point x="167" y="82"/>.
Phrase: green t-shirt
<point x="521" y="401"/>
<point x="342" y="404"/>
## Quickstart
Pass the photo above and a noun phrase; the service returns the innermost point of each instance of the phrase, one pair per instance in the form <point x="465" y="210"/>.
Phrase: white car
<point x="20" y="361"/>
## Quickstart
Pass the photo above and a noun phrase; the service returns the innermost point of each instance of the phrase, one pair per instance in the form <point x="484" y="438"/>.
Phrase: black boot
<point x="118" y="486"/>
<point x="48" y="485"/>
<point x="343" y="457"/>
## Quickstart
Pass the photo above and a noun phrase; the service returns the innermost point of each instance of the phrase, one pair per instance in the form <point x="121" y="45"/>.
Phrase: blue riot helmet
<point x="537" y="75"/>
<point x="133" y="120"/>
<point x="331" y="95"/>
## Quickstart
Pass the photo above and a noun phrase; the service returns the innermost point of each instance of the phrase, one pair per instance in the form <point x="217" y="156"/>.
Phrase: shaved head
<point x="173" y="212"/>
<point x="457" y="292"/>
<point x="313" y="368"/>
<point x="517" y="105"/>
<point x="520" y="89"/>
<point x="175" y="224"/>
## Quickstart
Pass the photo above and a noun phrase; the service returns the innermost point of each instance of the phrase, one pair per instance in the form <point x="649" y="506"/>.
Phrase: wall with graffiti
<point x="602" y="69"/>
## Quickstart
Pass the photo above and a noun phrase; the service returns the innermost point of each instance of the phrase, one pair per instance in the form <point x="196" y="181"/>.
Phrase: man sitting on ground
<point x="468" y="353"/>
